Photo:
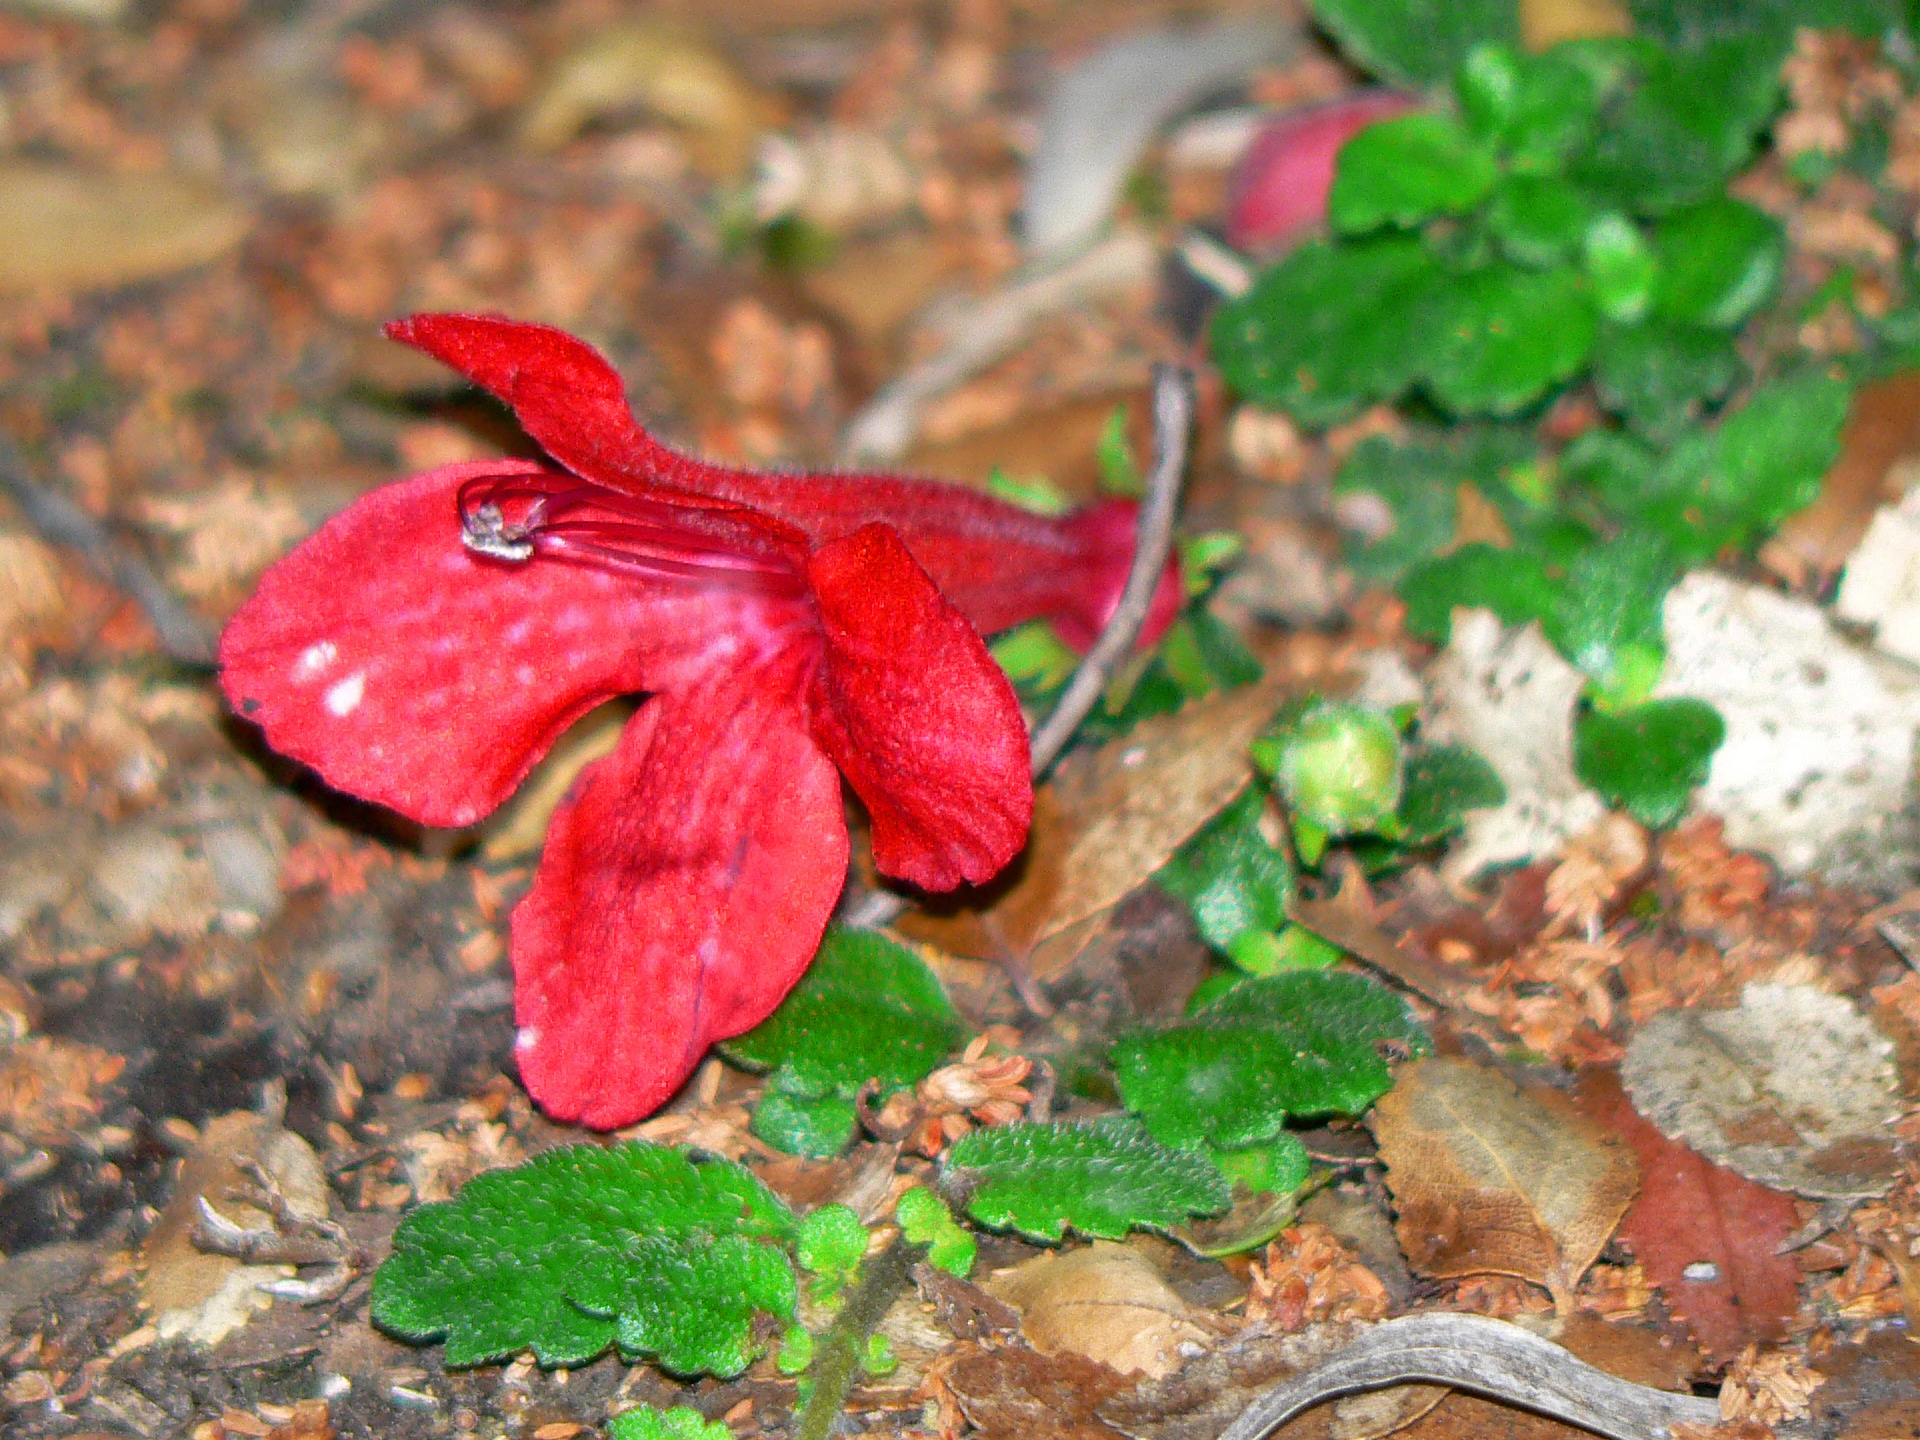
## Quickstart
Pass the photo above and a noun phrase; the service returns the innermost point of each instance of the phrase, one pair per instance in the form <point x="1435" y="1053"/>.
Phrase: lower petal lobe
<point x="915" y="711"/>
<point x="684" y="888"/>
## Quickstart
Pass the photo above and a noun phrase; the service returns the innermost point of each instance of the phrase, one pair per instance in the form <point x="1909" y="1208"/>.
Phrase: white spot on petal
<point x="314" y="660"/>
<point x="344" y="698"/>
<point x="526" y="1038"/>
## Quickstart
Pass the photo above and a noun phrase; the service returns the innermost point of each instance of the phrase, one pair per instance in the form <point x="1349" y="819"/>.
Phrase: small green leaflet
<point x="1514" y="584"/>
<point x="1442" y="783"/>
<point x="1719" y="262"/>
<point x="1534" y="109"/>
<point x="1101" y="1179"/>
<point x="1403" y="171"/>
<point x="585" y="1246"/>
<point x="1650" y="758"/>
<point x="829" y="1246"/>
<point x="1539" y="220"/>
<point x="925" y="1220"/>
<point x="1416" y="42"/>
<point x="867" y="1009"/>
<point x="1305" y="1042"/>
<point x="1658" y="376"/>
<point x="1502" y="336"/>
<point x="680" y="1423"/>
<point x="1326" y="330"/>
<point x="1232" y="878"/>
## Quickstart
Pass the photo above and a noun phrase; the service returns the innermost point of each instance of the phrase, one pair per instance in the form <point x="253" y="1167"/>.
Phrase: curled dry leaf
<point x="1489" y="1178"/>
<point x="1793" y="1088"/>
<point x="1707" y="1237"/>
<point x="1107" y="1303"/>
<point x="1595" y="864"/>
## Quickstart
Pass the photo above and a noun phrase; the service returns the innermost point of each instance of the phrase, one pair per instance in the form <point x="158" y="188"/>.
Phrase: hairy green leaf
<point x="1534" y="109"/>
<point x="1504" y="336"/>
<point x="1406" y="170"/>
<point x="1650" y="758"/>
<point x="565" y="1254"/>
<point x="1101" y="1179"/>
<point x="867" y="1009"/>
<point x="1720" y="261"/>
<point x="1539" y="220"/>
<point x="680" y="1423"/>
<point x="1330" y="328"/>
<point x="1514" y="584"/>
<point x="1658" y="375"/>
<point x="1444" y="782"/>
<point x="1417" y="42"/>
<point x="925" y="1220"/>
<point x="1299" y="1043"/>
<point x="1232" y="878"/>
<point x="1607" y="619"/>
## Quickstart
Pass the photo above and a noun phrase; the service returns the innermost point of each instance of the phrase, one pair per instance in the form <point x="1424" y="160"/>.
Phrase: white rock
<point x="1881" y="586"/>
<point x="1508" y="695"/>
<point x="1817" y="767"/>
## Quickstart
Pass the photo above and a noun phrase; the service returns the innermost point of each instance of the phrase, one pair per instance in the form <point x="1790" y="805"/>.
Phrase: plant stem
<point x="1172" y="419"/>
<point x="883" y="1279"/>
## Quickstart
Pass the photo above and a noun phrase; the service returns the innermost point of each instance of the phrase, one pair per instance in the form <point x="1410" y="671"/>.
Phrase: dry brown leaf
<point x="1107" y="1303"/>
<point x="1346" y="919"/>
<point x="1010" y="1393"/>
<point x="64" y="229"/>
<point x="1108" y="820"/>
<point x="1490" y="1178"/>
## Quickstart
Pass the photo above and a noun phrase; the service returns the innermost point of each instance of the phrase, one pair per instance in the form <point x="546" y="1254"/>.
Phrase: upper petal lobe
<point x="429" y="680"/>
<point x="684" y="888"/>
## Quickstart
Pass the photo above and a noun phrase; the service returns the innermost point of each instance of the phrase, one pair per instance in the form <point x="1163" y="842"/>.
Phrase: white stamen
<point x="344" y="698"/>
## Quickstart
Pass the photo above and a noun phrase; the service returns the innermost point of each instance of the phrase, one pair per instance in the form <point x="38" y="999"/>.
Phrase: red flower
<point x="426" y="646"/>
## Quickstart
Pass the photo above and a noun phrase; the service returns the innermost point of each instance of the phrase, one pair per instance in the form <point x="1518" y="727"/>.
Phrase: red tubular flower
<point x="427" y="645"/>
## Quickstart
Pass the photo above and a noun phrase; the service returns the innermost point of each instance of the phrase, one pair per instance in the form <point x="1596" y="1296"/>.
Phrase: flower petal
<point x="914" y="710"/>
<point x="684" y="888"/>
<point x="999" y="564"/>
<point x="563" y="392"/>
<point x="429" y="680"/>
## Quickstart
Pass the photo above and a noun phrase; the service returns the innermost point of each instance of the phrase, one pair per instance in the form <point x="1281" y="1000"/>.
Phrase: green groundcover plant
<point x="1552" y="226"/>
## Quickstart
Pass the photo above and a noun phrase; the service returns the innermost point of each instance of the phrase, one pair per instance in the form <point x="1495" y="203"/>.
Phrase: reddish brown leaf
<point x="1692" y="1215"/>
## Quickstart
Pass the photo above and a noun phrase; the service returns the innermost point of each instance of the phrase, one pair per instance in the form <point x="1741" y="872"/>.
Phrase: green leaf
<point x="1034" y="656"/>
<point x="1622" y="472"/>
<point x="1202" y="655"/>
<point x="680" y="1423"/>
<point x="1608" y="615"/>
<point x="1418" y="483"/>
<point x="1535" y="109"/>
<point x="1405" y="171"/>
<point x="1504" y="336"/>
<point x="1327" y="330"/>
<point x="561" y="1255"/>
<point x="817" y="1126"/>
<point x="1648" y="759"/>
<point x="1514" y="584"/>
<point x="1232" y="879"/>
<point x="830" y="1245"/>
<point x="1119" y="470"/>
<point x="1444" y="782"/>
<point x="1417" y="42"/>
<point x="1720" y="261"/>
<point x="1278" y="1167"/>
<point x="1620" y="267"/>
<point x="867" y="1009"/>
<point x="1770" y="456"/>
<point x="1539" y="220"/>
<point x="691" y="1306"/>
<point x="1685" y="122"/>
<point x="1101" y="1179"/>
<point x="1658" y="375"/>
<point x="1300" y="1043"/>
<point x="925" y="1220"/>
